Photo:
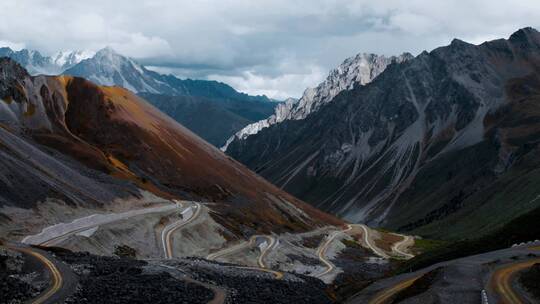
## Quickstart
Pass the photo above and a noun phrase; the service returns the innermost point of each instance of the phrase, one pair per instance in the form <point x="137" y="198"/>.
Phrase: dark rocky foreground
<point x="123" y="280"/>
<point x="109" y="279"/>
<point x="530" y="280"/>
<point x="252" y="286"/>
<point x="360" y="268"/>
<point x="17" y="283"/>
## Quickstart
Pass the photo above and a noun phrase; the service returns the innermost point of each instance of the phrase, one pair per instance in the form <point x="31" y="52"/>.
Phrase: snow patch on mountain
<point x="109" y="68"/>
<point x="36" y="63"/>
<point x="281" y="111"/>
<point x="67" y="59"/>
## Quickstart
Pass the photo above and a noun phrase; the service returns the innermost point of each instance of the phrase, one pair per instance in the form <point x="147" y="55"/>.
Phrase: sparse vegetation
<point x="504" y="237"/>
<point x="384" y="230"/>
<point x="425" y="245"/>
<point x="312" y="241"/>
<point x="351" y="244"/>
<point x="125" y="251"/>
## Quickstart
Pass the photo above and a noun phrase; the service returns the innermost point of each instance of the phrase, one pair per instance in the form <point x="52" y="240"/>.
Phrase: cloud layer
<point x="275" y="47"/>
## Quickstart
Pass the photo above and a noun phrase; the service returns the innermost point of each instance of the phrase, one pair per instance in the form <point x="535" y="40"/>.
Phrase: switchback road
<point x="167" y="232"/>
<point x="501" y="281"/>
<point x="62" y="280"/>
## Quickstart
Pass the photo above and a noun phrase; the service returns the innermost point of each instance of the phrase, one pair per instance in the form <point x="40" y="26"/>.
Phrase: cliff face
<point x="452" y="122"/>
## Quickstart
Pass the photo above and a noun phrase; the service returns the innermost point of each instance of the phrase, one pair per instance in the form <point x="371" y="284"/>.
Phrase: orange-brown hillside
<point x="114" y="131"/>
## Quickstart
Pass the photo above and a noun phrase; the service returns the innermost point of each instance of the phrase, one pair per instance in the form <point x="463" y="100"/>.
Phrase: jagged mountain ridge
<point x="281" y="111"/>
<point x="71" y="140"/>
<point x="36" y="63"/>
<point x="423" y="146"/>
<point x="357" y="70"/>
<point x="108" y="67"/>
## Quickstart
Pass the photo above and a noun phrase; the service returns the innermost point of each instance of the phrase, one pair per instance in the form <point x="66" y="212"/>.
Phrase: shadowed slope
<point x="434" y="141"/>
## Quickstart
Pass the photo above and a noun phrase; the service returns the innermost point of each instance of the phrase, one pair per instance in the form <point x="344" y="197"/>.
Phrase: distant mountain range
<point x="444" y="144"/>
<point x="35" y="63"/>
<point x="107" y="67"/>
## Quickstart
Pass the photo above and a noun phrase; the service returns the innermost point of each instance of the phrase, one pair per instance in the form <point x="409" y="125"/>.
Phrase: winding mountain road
<point x="367" y="240"/>
<point x="167" y="232"/>
<point x="271" y="246"/>
<point x="383" y="296"/>
<point x="56" y="277"/>
<point x="63" y="281"/>
<point x="321" y="251"/>
<point x="54" y="234"/>
<point x="272" y="243"/>
<point x="501" y="281"/>
<point x="400" y="247"/>
<point x="498" y="283"/>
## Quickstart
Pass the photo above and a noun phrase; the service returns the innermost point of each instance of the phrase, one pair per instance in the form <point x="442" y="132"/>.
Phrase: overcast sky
<point x="276" y="47"/>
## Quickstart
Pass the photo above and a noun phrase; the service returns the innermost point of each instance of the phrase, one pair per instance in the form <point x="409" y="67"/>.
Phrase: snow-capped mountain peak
<point x="360" y="69"/>
<point x="108" y="53"/>
<point x="107" y="67"/>
<point x="68" y="58"/>
<point x="36" y="63"/>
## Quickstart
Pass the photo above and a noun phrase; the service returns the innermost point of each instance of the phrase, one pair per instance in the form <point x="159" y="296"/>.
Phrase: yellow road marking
<point x="271" y="244"/>
<point x="384" y="295"/>
<point x="168" y="239"/>
<point x="57" y="279"/>
<point x="260" y="260"/>
<point x="502" y="281"/>
<point x="321" y="252"/>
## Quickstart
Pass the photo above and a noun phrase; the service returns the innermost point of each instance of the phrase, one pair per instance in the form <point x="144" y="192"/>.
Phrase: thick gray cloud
<point x="274" y="47"/>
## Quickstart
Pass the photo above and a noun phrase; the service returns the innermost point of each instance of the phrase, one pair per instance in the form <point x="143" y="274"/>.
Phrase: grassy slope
<point x="473" y="202"/>
<point x="513" y="194"/>
<point x="521" y="229"/>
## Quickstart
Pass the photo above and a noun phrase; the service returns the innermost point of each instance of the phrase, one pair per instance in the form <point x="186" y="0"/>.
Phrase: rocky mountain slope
<point x="357" y="70"/>
<point x="444" y="144"/>
<point x="231" y="109"/>
<point x="86" y="146"/>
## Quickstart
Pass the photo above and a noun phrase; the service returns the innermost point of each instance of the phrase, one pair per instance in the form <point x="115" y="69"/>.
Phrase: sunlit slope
<point x="113" y="131"/>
